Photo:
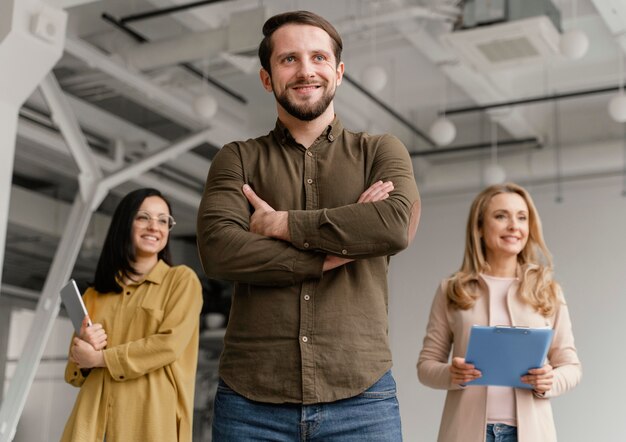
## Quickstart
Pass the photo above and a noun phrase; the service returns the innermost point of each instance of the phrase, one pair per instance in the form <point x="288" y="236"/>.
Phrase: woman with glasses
<point x="505" y="279"/>
<point x="135" y="365"/>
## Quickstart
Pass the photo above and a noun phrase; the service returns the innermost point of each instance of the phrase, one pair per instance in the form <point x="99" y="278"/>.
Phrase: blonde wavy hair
<point x="535" y="271"/>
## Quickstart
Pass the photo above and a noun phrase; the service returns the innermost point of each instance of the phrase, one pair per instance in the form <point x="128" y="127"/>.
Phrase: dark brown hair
<point x="298" y="17"/>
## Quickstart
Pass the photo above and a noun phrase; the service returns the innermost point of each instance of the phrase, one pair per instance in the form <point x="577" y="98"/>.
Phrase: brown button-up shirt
<point x="295" y="334"/>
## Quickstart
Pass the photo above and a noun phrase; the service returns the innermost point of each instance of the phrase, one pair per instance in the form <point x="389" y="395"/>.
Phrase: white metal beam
<point x="241" y="34"/>
<point x="63" y="116"/>
<point x="153" y="160"/>
<point x="45" y="315"/>
<point x="31" y="42"/>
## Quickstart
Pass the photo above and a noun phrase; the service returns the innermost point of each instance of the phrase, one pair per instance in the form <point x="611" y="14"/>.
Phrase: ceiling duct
<point x="503" y="34"/>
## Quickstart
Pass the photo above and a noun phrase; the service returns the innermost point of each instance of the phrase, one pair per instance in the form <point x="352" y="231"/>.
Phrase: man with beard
<point x="304" y="220"/>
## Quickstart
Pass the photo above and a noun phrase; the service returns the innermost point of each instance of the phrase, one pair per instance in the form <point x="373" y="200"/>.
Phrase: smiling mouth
<point x="306" y="87"/>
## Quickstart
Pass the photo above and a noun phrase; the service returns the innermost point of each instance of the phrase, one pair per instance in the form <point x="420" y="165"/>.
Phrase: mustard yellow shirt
<point x="146" y="391"/>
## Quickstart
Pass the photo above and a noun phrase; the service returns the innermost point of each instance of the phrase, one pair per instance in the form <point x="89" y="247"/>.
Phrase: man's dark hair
<point x="118" y="252"/>
<point x="298" y="17"/>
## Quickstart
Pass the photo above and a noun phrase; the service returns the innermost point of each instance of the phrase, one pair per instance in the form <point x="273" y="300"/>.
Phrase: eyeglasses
<point x="143" y="219"/>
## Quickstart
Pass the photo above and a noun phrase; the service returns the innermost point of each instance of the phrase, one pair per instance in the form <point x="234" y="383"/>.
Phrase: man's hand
<point x="93" y="334"/>
<point x="85" y="356"/>
<point x="376" y="192"/>
<point x="265" y="220"/>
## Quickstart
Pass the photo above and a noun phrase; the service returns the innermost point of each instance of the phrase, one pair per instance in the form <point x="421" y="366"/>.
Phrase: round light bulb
<point x="443" y="131"/>
<point x="574" y="44"/>
<point x="374" y="78"/>
<point x="617" y="108"/>
<point x="494" y="174"/>
<point x="205" y="106"/>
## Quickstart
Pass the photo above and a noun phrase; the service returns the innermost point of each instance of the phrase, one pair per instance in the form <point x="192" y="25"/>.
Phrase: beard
<point x="306" y="111"/>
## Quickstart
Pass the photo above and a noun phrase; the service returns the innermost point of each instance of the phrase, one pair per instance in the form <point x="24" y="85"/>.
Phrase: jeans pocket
<point x="384" y="388"/>
<point x="223" y="388"/>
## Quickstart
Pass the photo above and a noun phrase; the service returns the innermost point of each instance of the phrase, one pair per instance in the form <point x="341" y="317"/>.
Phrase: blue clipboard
<point x="504" y="354"/>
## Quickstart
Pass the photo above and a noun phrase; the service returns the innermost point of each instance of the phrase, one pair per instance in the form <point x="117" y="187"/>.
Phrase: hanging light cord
<point x="624" y="171"/>
<point x="494" y="142"/>
<point x="557" y="152"/>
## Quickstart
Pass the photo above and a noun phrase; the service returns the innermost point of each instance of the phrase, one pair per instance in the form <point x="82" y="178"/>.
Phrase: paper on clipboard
<point x="74" y="305"/>
<point x="504" y="354"/>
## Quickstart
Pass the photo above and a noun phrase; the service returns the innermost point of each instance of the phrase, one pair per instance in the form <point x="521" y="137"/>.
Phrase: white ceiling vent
<point x="506" y="45"/>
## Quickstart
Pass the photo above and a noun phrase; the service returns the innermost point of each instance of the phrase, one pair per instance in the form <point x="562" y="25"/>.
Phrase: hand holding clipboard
<point x="504" y="354"/>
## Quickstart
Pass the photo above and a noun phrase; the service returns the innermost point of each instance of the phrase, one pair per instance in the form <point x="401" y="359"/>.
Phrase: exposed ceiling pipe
<point x="392" y="112"/>
<point x="166" y="11"/>
<point x="478" y="146"/>
<point x="574" y="94"/>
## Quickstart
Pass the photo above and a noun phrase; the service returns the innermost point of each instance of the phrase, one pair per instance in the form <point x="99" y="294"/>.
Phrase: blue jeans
<point x="373" y="415"/>
<point x="501" y="433"/>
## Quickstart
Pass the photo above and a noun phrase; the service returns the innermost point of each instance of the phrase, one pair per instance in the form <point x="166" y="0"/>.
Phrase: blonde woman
<point x="505" y="279"/>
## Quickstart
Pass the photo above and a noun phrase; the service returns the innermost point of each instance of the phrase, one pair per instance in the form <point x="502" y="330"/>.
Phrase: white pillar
<point x="45" y="315"/>
<point x="8" y="128"/>
<point x="32" y="34"/>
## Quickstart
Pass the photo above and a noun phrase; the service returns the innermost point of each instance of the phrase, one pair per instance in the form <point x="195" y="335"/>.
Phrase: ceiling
<point x="133" y="83"/>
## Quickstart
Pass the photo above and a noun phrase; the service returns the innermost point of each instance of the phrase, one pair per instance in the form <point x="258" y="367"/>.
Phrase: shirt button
<point x="306" y="245"/>
<point x="128" y="293"/>
<point x="121" y="377"/>
<point x="331" y="137"/>
<point x="309" y="153"/>
<point x="305" y="339"/>
<point x="307" y="297"/>
<point x="310" y="181"/>
<point x="344" y="252"/>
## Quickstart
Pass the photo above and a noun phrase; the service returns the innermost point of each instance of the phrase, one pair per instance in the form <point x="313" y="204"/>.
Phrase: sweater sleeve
<point x="563" y="355"/>
<point x="365" y="230"/>
<point x="433" y="367"/>
<point x="180" y="320"/>
<point x="228" y="250"/>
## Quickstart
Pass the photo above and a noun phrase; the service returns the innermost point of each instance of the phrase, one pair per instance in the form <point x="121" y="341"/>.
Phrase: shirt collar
<point x="158" y="272"/>
<point x="331" y="133"/>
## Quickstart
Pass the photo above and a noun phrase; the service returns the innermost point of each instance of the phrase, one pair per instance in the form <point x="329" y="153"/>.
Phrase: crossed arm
<point x="274" y="224"/>
<point x="282" y="248"/>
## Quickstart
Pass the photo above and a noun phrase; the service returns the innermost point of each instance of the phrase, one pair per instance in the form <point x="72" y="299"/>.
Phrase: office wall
<point x="586" y="233"/>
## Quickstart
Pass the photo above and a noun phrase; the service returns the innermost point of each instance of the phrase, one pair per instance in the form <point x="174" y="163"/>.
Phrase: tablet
<point x="504" y="354"/>
<point x="74" y="305"/>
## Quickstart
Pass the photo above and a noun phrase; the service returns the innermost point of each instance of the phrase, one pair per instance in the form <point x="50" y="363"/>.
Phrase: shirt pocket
<point x="148" y="319"/>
